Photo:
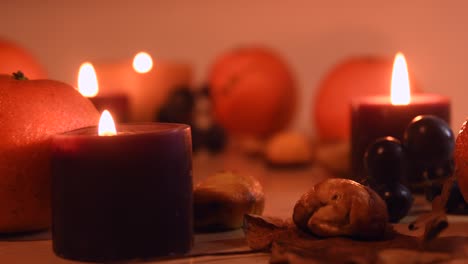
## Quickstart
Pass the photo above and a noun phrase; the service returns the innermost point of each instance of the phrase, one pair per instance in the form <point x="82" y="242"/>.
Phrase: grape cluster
<point x="195" y="109"/>
<point x="385" y="161"/>
<point x="431" y="143"/>
<point x="424" y="158"/>
<point x="178" y="107"/>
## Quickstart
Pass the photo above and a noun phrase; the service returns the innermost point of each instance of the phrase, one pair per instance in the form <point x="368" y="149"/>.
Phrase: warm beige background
<point x="312" y="35"/>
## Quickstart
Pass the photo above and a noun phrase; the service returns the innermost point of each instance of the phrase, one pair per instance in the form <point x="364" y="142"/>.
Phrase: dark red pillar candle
<point x="117" y="104"/>
<point x="375" y="117"/>
<point x="122" y="197"/>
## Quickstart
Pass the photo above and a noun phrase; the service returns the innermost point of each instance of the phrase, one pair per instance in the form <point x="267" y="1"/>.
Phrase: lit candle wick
<point x="106" y="125"/>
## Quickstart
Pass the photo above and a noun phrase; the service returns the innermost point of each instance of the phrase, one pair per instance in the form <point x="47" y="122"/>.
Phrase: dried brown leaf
<point x="261" y="231"/>
<point x="290" y="245"/>
<point x="406" y="256"/>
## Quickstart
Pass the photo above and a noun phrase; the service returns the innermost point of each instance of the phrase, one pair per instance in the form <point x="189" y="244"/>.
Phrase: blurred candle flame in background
<point x="400" y="88"/>
<point x="87" y="80"/>
<point x="142" y="62"/>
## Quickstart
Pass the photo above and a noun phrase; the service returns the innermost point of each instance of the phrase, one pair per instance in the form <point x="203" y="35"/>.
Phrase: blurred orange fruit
<point x="13" y="58"/>
<point x="353" y="77"/>
<point x="253" y="91"/>
<point x="31" y="111"/>
<point x="461" y="160"/>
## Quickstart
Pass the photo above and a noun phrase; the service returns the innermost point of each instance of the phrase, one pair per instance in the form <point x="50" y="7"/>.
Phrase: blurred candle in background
<point x="88" y="86"/>
<point x="145" y="81"/>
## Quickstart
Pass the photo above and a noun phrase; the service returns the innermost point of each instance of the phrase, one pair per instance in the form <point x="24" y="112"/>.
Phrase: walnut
<point x="222" y="200"/>
<point x="289" y="148"/>
<point x="342" y="207"/>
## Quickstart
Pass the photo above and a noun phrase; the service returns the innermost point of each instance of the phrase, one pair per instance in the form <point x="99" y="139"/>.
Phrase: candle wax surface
<point x="375" y="117"/>
<point x="131" y="129"/>
<point x="416" y="99"/>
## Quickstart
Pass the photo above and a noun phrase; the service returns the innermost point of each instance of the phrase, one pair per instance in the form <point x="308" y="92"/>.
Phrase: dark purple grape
<point x="455" y="204"/>
<point x="384" y="161"/>
<point x="198" y="137"/>
<point x="428" y="140"/>
<point x="398" y="199"/>
<point x="422" y="172"/>
<point x="206" y="133"/>
<point x="181" y="99"/>
<point x="215" y="138"/>
<point x="178" y="107"/>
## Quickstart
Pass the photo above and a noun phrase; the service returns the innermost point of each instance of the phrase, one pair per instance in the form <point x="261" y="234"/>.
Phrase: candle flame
<point x="400" y="89"/>
<point x="142" y="62"/>
<point x="106" y="125"/>
<point x="87" y="80"/>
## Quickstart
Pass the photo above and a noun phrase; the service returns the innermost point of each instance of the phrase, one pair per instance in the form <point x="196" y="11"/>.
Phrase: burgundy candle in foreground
<point x="122" y="197"/>
<point x="380" y="116"/>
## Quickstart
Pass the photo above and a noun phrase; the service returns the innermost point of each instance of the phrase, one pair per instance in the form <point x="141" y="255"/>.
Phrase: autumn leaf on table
<point x="288" y="244"/>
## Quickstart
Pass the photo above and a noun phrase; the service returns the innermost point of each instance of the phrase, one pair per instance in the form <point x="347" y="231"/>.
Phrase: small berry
<point x="384" y="161"/>
<point x="398" y="199"/>
<point x="428" y="140"/>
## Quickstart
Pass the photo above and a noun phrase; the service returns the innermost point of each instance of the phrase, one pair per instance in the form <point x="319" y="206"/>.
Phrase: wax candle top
<point x="400" y="92"/>
<point x="132" y="129"/>
<point x="415" y="99"/>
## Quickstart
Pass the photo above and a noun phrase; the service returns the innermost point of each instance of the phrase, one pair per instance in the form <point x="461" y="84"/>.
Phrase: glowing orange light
<point x="87" y="80"/>
<point x="142" y="62"/>
<point x="106" y="125"/>
<point x="400" y="90"/>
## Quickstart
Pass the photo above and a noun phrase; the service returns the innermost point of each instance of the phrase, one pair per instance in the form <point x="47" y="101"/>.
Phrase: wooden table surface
<point x="282" y="188"/>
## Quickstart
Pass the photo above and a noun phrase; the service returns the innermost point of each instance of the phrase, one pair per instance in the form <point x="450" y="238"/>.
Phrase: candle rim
<point x="415" y="99"/>
<point x="122" y="129"/>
